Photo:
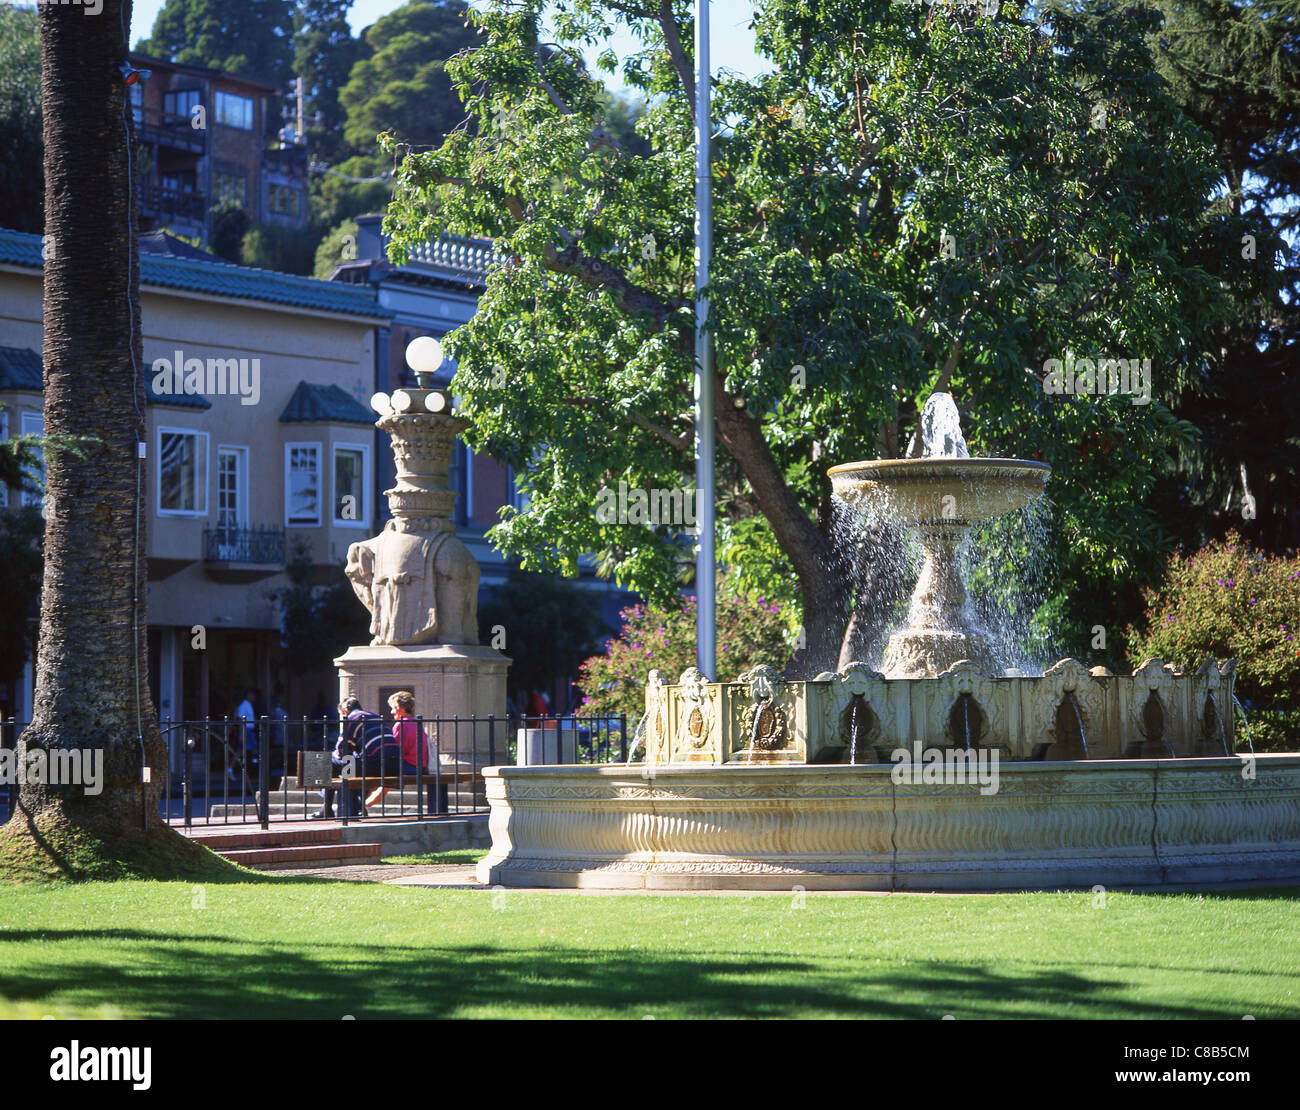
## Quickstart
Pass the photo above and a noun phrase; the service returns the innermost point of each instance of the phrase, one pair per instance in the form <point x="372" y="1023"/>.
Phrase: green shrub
<point x="1229" y="600"/>
<point x="751" y="630"/>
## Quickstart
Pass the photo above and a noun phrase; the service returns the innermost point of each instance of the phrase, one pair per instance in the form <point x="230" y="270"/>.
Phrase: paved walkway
<point x="398" y="874"/>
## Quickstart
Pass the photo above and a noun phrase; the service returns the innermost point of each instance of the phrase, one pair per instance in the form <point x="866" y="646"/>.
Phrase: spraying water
<point x="941" y="436"/>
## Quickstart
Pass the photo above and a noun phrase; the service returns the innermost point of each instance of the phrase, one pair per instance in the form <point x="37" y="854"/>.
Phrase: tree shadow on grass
<point x="211" y="976"/>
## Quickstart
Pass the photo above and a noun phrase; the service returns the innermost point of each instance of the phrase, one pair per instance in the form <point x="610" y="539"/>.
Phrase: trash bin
<point x="545" y="747"/>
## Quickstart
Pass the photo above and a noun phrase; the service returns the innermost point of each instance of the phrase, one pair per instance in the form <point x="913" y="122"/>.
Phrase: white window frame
<point x="320" y="482"/>
<point x="222" y="94"/>
<point x="33" y="424"/>
<point x="191" y="514"/>
<point x="363" y="516"/>
<point x="241" y="490"/>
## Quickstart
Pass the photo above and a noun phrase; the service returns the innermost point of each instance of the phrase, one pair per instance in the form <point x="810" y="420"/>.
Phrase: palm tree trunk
<point x="92" y="668"/>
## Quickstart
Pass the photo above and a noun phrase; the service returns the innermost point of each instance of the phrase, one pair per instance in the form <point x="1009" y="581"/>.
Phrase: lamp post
<point x="705" y="643"/>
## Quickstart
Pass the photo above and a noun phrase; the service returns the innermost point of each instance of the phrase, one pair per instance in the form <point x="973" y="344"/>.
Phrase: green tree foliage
<point x="751" y="631"/>
<point x="351" y="188"/>
<point x="401" y="84"/>
<point x="324" y="52"/>
<point x="273" y="247"/>
<point x="916" y="198"/>
<point x="1235" y="70"/>
<point x="1230" y="600"/>
<point x="550" y="627"/>
<point x="337" y="247"/>
<point x="252" y="38"/>
<point x="230" y="223"/>
<point x="318" y="620"/>
<point x="22" y="182"/>
<point x="22" y="533"/>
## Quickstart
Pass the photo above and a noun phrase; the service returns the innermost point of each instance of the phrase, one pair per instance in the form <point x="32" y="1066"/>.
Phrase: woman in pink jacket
<point x="409" y="733"/>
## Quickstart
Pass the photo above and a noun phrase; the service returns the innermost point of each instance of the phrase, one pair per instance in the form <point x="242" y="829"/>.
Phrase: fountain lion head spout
<point x="938" y="498"/>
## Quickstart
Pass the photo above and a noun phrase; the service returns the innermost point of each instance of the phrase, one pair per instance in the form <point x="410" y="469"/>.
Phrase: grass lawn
<point x="456" y="855"/>
<point x="281" y="947"/>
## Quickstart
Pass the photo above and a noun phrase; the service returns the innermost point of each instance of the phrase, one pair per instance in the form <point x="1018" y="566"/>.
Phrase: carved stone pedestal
<point x="420" y="584"/>
<point x="448" y="680"/>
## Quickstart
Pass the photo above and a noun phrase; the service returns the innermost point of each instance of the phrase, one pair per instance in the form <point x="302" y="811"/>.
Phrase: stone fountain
<point x="764" y="783"/>
<point x="938" y="498"/>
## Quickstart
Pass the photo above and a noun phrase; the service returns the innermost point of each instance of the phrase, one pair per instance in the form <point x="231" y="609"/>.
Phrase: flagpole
<point x="705" y="630"/>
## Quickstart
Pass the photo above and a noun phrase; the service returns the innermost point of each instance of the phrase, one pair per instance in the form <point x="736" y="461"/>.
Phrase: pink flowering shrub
<point x="1231" y="600"/>
<point x="750" y="631"/>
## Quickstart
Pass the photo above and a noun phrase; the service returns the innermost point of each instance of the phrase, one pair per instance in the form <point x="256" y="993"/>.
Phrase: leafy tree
<point x="550" y="628"/>
<point x="619" y="114"/>
<point x="751" y="631"/>
<point x="333" y="249"/>
<point x="318" y="621"/>
<point x="352" y="188"/>
<point x="1235" y="70"/>
<point x="230" y="223"/>
<point x="916" y="198"/>
<point x="401" y="84"/>
<point x="21" y="533"/>
<point x="273" y="247"/>
<point x="1230" y="600"/>
<point x="324" y="53"/>
<point x="21" y="182"/>
<point x="248" y="37"/>
<point x="92" y="688"/>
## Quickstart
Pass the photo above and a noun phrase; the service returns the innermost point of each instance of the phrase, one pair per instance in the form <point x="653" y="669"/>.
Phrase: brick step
<point x="304" y="855"/>
<point x="273" y="838"/>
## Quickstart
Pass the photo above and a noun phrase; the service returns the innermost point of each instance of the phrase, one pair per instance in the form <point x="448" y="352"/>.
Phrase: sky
<point x="731" y="41"/>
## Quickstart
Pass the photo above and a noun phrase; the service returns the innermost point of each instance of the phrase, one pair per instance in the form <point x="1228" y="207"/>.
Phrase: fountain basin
<point x="951" y="492"/>
<point x="1118" y="823"/>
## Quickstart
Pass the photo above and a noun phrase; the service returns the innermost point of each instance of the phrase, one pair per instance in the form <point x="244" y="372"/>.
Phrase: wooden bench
<point x="435" y="784"/>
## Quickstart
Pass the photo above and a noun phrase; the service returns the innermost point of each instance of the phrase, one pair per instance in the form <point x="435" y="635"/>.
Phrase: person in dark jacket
<point x="359" y="748"/>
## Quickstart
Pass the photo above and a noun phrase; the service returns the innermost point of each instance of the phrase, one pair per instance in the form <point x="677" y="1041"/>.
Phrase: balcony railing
<point x="261" y="546"/>
<point x="168" y="203"/>
<point x="166" y="129"/>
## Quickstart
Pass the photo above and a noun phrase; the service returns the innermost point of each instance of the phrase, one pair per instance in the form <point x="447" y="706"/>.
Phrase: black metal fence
<point x="229" y="771"/>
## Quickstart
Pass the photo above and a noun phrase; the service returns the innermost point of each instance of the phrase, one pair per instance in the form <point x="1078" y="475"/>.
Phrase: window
<point x="232" y="478"/>
<point x="351" y="480"/>
<point x="285" y="200"/>
<point x="33" y="424"/>
<point x="179" y="103"/>
<point x="137" y="102"/>
<point x="302" y="485"/>
<point x="184" y="181"/>
<point x="234" y="111"/>
<point x="182" y="472"/>
<point x="230" y="186"/>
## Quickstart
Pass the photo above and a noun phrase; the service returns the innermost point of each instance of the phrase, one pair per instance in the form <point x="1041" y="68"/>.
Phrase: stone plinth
<point x="448" y="680"/>
<point x="1115" y="823"/>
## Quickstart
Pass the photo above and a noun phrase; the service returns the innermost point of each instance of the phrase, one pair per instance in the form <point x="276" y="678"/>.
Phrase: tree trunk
<point x="815" y="561"/>
<point x="92" y="667"/>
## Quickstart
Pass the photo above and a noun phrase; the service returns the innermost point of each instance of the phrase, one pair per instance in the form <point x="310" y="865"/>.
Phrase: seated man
<point x="360" y="737"/>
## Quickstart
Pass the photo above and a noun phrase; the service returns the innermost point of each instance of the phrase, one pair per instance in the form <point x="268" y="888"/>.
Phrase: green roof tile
<point x="222" y="280"/>
<point x="324" y="404"/>
<point x="20" y="368"/>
